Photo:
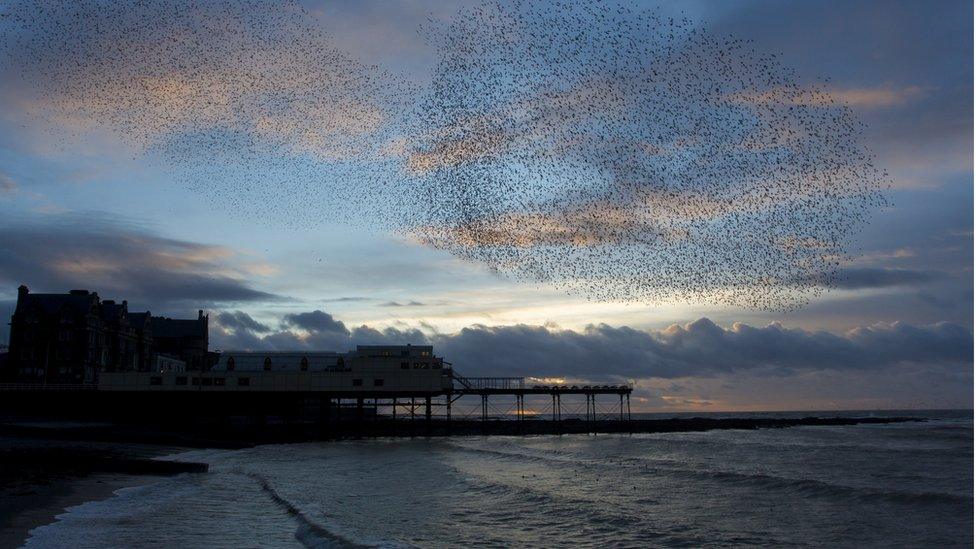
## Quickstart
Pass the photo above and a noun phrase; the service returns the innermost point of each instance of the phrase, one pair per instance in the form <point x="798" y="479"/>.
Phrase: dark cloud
<point x="121" y="260"/>
<point x="315" y="321"/>
<point x="236" y="320"/>
<point x="405" y="304"/>
<point x="697" y="349"/>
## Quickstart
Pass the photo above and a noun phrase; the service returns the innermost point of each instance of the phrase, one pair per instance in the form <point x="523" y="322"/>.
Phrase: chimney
<point x="22" y="291"/>
<point x="200" y="314"/>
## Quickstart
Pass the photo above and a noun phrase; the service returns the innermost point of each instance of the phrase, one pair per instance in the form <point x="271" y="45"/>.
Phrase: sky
<point x="83" y="205"/>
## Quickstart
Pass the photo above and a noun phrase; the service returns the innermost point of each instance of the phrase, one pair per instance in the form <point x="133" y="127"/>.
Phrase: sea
<point x="894" y="485"/>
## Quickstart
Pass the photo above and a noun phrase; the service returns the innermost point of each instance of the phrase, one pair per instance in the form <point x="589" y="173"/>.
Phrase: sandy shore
<point x="28" y="506"/>
<point x="41" y="477"/>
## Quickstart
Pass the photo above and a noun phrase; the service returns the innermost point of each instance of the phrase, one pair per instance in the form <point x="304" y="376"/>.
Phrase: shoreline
<point x="41" y="504"/>
<point x="41" y="477"/>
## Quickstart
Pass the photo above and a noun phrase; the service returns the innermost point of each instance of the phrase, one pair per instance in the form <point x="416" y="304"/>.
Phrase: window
<point x="340" y="363"/>
<point x="181" y="380"/>
<point x="405" y="352"/>
<point x="64" y="335"/>
<point x="230" y="364"/>
<point x="196" y="381"/>
<point x="424" y="353"/>
<point x="267" y="364"/>
<point x="404" y="365"/>
<point x="206" y="381"/>
<point x="219" y="381"/>
<point x="377" y="383"/>
<point x="243" y="382"/>
<point x="304" y="364"/>
<point x="357" y="383"/>
<point x="156" y="380"/>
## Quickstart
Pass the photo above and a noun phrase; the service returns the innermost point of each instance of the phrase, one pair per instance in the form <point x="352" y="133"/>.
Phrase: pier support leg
<point x="628" y="408"/>
<point x="484" y="407"/>
<point x="554" y="406"/>
<point x="427" y="411"/>
<point x="621" y="407"/>
<point x="394" y="408"/>
<point x="447" y="407"/>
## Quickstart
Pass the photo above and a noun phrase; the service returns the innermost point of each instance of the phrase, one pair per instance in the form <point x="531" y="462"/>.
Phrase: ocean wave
<point x="802" y="486"/>
<point x="811" y="487"/>
<point x="310" y="533"/>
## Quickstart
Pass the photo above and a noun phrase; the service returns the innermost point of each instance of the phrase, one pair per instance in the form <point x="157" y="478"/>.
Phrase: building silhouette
<point x="73" y="337"/>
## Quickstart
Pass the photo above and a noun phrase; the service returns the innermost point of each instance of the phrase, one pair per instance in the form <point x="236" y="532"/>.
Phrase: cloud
<point x="700" y="349"/>
<point x="880" y="97"/>
<point x="315" y="321"/>
<point x="122" y="260"/>
<point x="406" y="304"/>
<point x="7" y="185"/>
<point x="282" y="85"/>
<point x="239" y="320"/>
<point x="861" y="97"/>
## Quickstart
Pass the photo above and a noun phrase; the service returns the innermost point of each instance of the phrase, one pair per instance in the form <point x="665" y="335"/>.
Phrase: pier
<point x="263" y="398"/>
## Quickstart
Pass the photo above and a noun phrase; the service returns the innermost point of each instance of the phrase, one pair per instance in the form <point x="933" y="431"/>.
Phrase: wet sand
<point x="28" y="506"/>
<point x="40" y="478"/>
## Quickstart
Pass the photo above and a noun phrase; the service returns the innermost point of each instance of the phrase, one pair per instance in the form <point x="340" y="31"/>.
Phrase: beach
<point x="41" y="477"/>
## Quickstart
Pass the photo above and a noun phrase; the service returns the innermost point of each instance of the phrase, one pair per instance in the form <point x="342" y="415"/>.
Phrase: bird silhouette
<point x="607" y="151"/>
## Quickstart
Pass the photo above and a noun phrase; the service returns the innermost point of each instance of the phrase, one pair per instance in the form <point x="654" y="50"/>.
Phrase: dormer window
<point x="304" y="365"/>
<point x="267" y="364"/>
<point x="230" y="364"/>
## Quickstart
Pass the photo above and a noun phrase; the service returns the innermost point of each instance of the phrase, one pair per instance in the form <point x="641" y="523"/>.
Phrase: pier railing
<point x="47" y="387"/>
<point x="480" y="383"/>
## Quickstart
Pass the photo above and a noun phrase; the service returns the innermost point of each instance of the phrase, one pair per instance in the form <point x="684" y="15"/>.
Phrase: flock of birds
<point x="618" y="154"/>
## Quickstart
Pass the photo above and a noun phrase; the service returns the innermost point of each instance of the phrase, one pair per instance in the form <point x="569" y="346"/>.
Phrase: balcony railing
<point x="47" y="387"/>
